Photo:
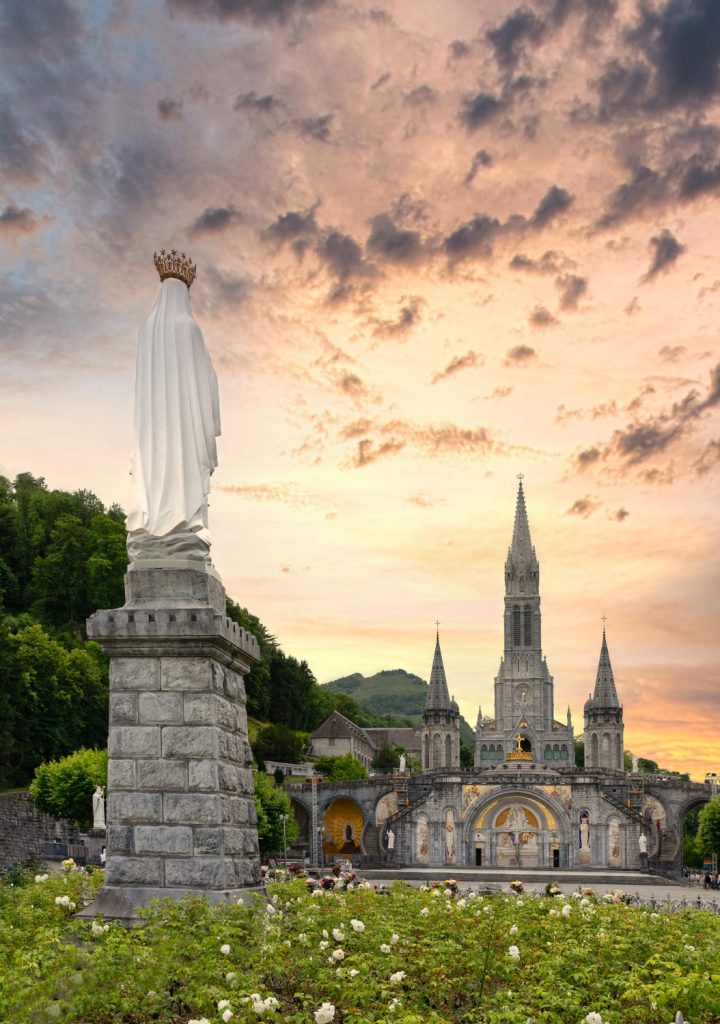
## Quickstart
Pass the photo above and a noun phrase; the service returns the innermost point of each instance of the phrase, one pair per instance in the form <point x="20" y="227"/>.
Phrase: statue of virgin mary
<point x="177" y="418"/>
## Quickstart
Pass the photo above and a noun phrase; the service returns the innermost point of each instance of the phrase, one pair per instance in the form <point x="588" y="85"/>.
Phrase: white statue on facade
<point x="98" y="803"/>
<point x="390" y="840"/>
<point x="177" y="418"/>
<point x="642" y="843"/>
<point x="403" y="763"/>
<point x="635" y="764"/>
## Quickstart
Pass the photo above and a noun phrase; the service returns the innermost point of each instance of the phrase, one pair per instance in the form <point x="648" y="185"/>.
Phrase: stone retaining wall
<point x="24" y="830"/>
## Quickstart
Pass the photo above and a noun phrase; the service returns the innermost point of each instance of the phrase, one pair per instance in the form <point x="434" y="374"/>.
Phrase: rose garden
<point x="345" y="951"/>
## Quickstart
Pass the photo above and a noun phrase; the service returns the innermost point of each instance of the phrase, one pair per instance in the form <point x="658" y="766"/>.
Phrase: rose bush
<point x="447" y="958"/>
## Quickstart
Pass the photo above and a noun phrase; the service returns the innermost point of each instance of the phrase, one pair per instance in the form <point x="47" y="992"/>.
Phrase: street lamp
<point x="283" y="819"/>
<point x="320" y="850"/>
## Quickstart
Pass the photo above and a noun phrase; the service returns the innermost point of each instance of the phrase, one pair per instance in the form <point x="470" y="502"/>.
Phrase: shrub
<point x="65" y="788"/>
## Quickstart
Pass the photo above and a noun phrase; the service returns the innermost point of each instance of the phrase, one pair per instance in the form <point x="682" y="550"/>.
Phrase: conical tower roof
<point x="605" y="695"/>
<point x="521" y="551"/>
<point x="438" y="698"/>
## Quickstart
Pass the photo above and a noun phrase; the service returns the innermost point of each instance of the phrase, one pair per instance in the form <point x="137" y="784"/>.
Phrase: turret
<point x="440" y="730"/>
<point x="604" y="729"/>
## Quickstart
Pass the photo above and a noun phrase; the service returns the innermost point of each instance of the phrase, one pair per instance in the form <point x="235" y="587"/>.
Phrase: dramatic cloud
<point x="407" y="318"/>
<point x="251" y="101"/>
<point x="572" y="288"/>
<point x="390" y="243"/>
<point x="542" y="318"/>
<point x="215" y="219"/>
<point x="646" y="188"/>
<point x="481" y="159"/>
<point x="17" y="222"/>
<point x="583" y="507"/>
<point x="478" y="110"/>
<point x="170" y="109"/>
<point x="644" y="439"/>
<point x="343" y="258"/>
<point x="553" y="203"/>
<point x="256" y="10"/>
<point x="509" y="38"/>
<point x="665" y="249"/>
<point x="458" y="363"/>
<point x="519" y="355"/>
<point x="296" y="228"/>
<point x="473" y="239"/>
<point x="373" y="441"/>
<point x="549" y="263"/>
<point x="315" y="127"/>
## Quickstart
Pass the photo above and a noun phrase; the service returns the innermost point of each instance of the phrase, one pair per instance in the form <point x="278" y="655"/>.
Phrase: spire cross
<point x="521" y="477"/>
<point x="604" y="620"/>
<point x="437" y="625"/>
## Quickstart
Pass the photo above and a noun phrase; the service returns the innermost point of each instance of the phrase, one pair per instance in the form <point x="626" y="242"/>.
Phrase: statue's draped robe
<point x="177" y="418"/>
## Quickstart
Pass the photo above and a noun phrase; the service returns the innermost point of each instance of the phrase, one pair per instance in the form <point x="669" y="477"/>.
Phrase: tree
<point x="271" y="801"/>
<point x="278" y="742"/>
<point x="708" y="833"/>
<point x="467" y="755"/>
<point x="386" y="760"/>
<point x="579" y="751"/>
<point x="340" y="769"/>
<point x="65" y="788"/>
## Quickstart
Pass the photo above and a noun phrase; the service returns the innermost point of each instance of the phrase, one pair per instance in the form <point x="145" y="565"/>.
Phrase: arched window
<point x="426" y="751"/>
<point x="595" y="761"/>
<point x="619" y="763"/>
<point x="484" y="752"/>
<point x="448" y="751"/>
<point x="563" y="753"/>
<point x="548" y="755"/>
<point x="516" y="627"/>
<point x="527" y="625"/>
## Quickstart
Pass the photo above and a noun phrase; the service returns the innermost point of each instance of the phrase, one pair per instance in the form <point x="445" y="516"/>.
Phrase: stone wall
<point x="24" y="830"/>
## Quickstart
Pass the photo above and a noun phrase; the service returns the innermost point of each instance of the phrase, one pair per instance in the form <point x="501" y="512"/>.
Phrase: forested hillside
<point x="391" y="692"/>
<point x="62" y="556"/>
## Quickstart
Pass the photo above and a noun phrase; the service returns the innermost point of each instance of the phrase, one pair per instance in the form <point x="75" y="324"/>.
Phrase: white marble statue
<point x="177" y="418"/>
<point x="642" y="843"/>
<point x="98" y="803"/>
<point x="635" y="764"/>
<point x="390" y="840"/>
<point x="403" y="763"/>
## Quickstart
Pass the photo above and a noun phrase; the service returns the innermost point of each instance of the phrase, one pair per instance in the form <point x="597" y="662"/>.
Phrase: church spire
<point x="605" y="695"/>
<point x="438" y="697"/>
<point x="521" y="552"/>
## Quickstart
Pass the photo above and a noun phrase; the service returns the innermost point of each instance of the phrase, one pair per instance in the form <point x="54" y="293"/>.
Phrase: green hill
<point x="391" y="692"/>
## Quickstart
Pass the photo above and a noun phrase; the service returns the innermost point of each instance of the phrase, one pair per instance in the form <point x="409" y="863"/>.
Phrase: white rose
<point x="225" y="949"/>
<point x="325" y="1013"/>
<point x="357" y="926"/>
<point x="398" y="976"/>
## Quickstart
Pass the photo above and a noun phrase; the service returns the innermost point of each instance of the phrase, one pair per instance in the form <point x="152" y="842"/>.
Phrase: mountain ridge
<point x="392" y="692"/>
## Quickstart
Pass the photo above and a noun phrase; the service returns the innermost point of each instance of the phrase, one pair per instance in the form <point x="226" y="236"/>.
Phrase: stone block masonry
<point x="180" y="809"/>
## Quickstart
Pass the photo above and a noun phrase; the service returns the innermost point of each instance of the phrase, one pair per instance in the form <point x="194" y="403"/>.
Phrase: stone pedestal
<point x="180" y="810"/>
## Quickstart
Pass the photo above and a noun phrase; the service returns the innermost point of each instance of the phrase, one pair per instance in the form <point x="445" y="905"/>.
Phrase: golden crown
<point x="175" y="264"/>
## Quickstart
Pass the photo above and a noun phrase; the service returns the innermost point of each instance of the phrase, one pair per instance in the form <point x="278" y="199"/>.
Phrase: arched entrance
<point x="342" y="828"/>
<point x="517" y="830"/>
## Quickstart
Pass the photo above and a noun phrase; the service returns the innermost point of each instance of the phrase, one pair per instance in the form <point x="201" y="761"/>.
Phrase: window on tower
<point x="528" y="625"/>
<point x="516" y="626"/>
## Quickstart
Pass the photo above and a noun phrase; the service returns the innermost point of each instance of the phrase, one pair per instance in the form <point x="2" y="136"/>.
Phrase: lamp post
<point x="321" y="858"/>
<point x="283" y="819"/>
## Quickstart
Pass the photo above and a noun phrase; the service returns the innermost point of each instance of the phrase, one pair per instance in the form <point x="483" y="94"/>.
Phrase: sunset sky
<point x="438" y="245"/>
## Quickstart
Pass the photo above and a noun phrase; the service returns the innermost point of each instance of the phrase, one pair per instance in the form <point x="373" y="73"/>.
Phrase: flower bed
<point x="352" y="956"/>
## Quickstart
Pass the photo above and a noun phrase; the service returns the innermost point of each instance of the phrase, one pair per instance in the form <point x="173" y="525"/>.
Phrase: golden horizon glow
<point x="436" y="247"/>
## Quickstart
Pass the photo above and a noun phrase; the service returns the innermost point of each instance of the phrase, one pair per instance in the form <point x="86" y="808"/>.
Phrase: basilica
<point x="525" y="803"/>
